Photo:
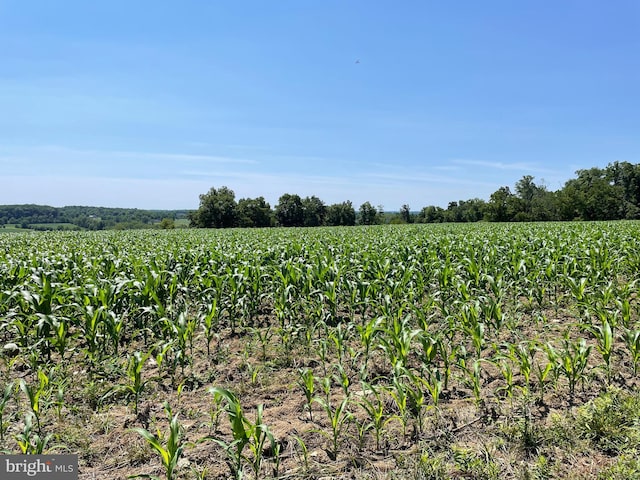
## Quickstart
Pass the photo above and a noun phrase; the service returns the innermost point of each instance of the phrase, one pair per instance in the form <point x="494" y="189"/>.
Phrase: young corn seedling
<point x="417" y="400"/>
<point x="375" y="408"/>
<point x="210" y="320"/>
<point x="306" y="381"/>
<point x="60" y="338"/>
<point x="605" y="343"/>
<point x="434" y="385"/>
<point x="542" y="370"/>
<point x="322" y="349"/>
<point x="60" y="401"/>
<point x="244" y="432"/>
<point x="4" y="400"/>
<point x="342" y="378"/>
<point x="397" y="339"/>
<point x="259" y="434"/>
<point x="35" y="394"/>
<point x="522" y="355"/>
<point x="30" y="442"/>
<point x="474" y="378"/>
<point x="168" y="447"/>
<point x="215" y="410"/>
<point x="305" y="452"/>
<point x="340" y="336"/>
<point x="503" y="363"/>
<point x="632" y="341"/>
<point x="135" y="385"/>
<point x="264" y="335"/>
<point x="339" y="417"/>
<point x="368" y="332"/>
<point x="398" y="392"/>
<point x="572" y="362"/>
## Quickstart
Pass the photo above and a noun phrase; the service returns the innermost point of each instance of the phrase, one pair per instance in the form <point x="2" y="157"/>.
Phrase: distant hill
<point x="44" y="217"/>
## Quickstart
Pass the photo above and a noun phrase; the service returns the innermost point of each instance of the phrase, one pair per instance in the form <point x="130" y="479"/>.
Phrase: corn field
<point x="410" y="351"/>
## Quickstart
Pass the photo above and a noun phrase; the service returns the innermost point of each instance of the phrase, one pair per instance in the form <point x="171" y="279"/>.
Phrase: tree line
<point x="219" y="209"/>
<point x="89" y="218"/>
<point x="611" y="193"/>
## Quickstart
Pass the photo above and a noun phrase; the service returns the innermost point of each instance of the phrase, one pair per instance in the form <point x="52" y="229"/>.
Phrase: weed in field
<point x="541" y="470"/>
<point x="626" y="468"/>
<point x="610" y="422"/>
<point x="475" y="466"/>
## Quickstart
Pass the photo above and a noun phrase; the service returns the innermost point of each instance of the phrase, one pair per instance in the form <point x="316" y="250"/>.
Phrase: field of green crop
<point x="483" y="351"/>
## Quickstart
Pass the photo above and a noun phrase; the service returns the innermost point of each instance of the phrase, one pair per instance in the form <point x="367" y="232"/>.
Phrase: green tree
<point x="217" y="209"/>
<point x="592" y="196"/>
<point x="314" y="211"/>
<point x="535" y="202"/>
<point x="499" y="205"/>
<point x="627" y="177"/>
<point x="471" y="210"/>
<point x="452" y="213"/>
<point x="405" y="213"/>
<point x="254" y="212"/>
<point x="368" y="214"/>
<point x="431" y="214"/>
<point x="526" y="189"/>
<point x="289" y="211"/>
<point x="341" y="214"/>
<point x="167" y="224"/>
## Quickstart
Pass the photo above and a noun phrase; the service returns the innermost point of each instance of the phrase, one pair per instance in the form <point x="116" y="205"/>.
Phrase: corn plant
<point x="473" y="327"/>
<point x="259" y="434"/>
<point x="397" y="340"/>
<point x="339" y="417"/>
<point x="473" y="377"/>
<point x="417" y="401"/>
<point x="632" y="341"/>
<point x="522" y="355"/>
<point x="35" y="394"/>
<point x="375" y="408"/>
<point x="169" y="446"/>
<point x="543" y="370"/>
<point x="572" y="362"/>
<point x="306" y="381"/>
<point x="434" y="385"/>
<point x="605" y="343"/>
<point x="342" y="378"/>
<point x="340" y="336"/>
<point x="398" y="392"/>
<point x="503" y="362"/>
<point x="305" y="452"/>
<point x="135" y="385"/>
<point x="244" y="432"/>
<point x="210" y="320"/>
<point x="4" y="400"/>
<point x="29" y="441"/>
<point x="264" y="335"/>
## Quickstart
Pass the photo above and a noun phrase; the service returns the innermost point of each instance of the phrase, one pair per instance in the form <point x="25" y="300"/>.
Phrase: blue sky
<point x="149" y="104"/>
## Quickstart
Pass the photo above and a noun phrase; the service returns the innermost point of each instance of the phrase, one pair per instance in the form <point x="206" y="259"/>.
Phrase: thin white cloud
<point x="517" y="166"/>
<point x="447" y="168"/>
<point x="123" y="154"/>
<point x="422" y="178"/>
